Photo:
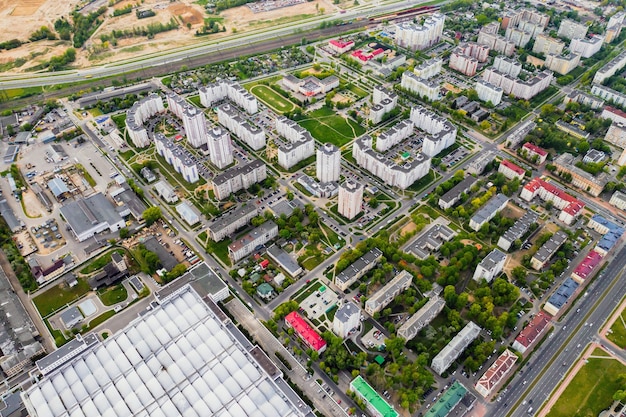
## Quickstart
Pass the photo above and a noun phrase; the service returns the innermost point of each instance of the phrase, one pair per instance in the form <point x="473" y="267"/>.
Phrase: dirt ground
<point x="512" y="211"/>
<point x="28" y="244"/>
<point x="20" y="18"/>
<point x="32" y="204"/>
<point x="408" y="228"/>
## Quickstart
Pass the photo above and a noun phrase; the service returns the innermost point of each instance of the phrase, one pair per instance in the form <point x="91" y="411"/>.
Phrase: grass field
<point x="591" y="390"/>
<point x="58" y="296"/>
<point x="618" y="331"/>
<point x="113" y="295"/>
<point x="326" y="126"/>
<point x="272" y="98"/>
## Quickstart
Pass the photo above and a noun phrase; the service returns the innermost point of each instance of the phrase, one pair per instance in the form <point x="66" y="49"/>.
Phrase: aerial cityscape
<point x="313" y="208"/>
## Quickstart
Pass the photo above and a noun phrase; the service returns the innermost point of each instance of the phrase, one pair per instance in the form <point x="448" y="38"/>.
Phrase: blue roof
<point x="57" y="186"/>
<point x="563" y="293"/>
<point x="612" y="236"/>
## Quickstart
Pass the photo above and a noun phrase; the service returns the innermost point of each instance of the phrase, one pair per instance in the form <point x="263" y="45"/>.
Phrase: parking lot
<point x="318" y="303"/>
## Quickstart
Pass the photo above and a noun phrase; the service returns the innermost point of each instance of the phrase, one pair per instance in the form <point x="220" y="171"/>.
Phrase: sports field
<point x="617" y="333"/>
<point x="592" y="389"/>
<point x="272" y="99"/>
<point x="327" y="126"/>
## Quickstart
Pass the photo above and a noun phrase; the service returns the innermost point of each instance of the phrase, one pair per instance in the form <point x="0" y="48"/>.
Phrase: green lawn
<point x="100" y="262"/>
<point x="358" y="91"/>
<point x="195" y="100"/>
<point x="332" y="236"/>
<point x="618" y="331"/>
<point x="101" y="318"/>
<point x="326" y="126"/>
<point x="271" y="98"/>
<point x="591" y="390"/>
<point x="314" y="286"/>
<point x="219" y="249"/>
<point x="58" y="296"/>
<point x="113" y="295"/>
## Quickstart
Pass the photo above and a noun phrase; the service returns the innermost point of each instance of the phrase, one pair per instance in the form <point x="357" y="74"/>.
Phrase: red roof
<point x="497" y="371"/>
<point x="264" y="263"/>
<point x="305" y="331"/>
<point x="574" y="205"/>
<point x="615" y="111"/>
<point x="534" y="329"/>
<point x="510" y="165"/>
<point x="366" y="57"/>
<point x="534" y="148"/>
<point x="587" y="265"/>
<point x="340" y="44"/>
<point x="377" y="51"/>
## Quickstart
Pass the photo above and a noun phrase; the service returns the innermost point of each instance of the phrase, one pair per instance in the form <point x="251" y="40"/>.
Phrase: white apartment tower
<point x="350" y="199"/>
<point x="328" y="163"/>
<point x="413" y="37"/>
<point x="220" y="147"/>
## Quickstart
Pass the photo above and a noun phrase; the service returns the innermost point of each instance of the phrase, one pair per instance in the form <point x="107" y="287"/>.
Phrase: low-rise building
<point x="284" y="260"/>
<point x="581" y="178"/>
<point x="548" y="250"/>
<point x="166" y="191"/>
<point x="422" y="318"/>
<point x="188" y="213"/>
<point x="304" y="330"/>
<point x="347" y="318"/>
<point x="91" y="215"/>
<point x="491" y="266"/>
<point x="611" y="233"/>
<point x="381" y="298"/>
<point x="248" y="243"/>
<point x="616" y="115"/>
<point x="430" y="240"/>
<point x="510" y="170"/>
<point x="229" y="222"/>
<point x="594" y="156"/>
<point x="570" y="207"/>
<point x="310" y="86"/>
<point x="618" y="199"/>
<point x="358" y="269"/>
<point x="532" y="332"/>
<point x="571" y="130"/>
<point x="488" y="211"/>
<point x="496" y="373"/>
<point x="478" y="164"/>
<point x="453" y="350"/>
<point x="517" y="231"/>
<point x="450" y="198"/>
<point x="374" y="403"/>
<point x="616" y="135"/>
<point x="340" y="46"/>
<point x="586" y="267"/>
<point x="531" y="151"/>
<point x="561" y="296"/>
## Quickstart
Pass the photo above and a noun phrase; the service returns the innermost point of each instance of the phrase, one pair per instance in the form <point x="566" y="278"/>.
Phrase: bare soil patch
<point x="187" y="13"/>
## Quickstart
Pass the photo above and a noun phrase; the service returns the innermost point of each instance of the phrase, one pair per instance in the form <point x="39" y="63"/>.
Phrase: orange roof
<point x="510" y="165"/>
<point x="534" y="148"/>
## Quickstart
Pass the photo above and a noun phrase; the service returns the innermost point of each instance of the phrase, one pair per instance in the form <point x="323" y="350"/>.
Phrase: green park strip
<point x="327" y="126"/>
<point x="592" y="389"/>
<point x="617" y="332"/>
<point x="272" y="99"/>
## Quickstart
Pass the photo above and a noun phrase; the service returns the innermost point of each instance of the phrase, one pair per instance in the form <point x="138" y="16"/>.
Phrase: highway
<point x="565" y="344"/>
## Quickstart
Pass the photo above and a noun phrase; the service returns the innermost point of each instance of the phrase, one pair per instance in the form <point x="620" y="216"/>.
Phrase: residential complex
<point x="237" y="178"/>
<point x="226" y="224"/>
<point x="610" y="95"/>
<point x="358" y="269"/>
<point x="374" y="403"/>
<point x="442" y="133"/>
<point x="510" y="170"/>
<point x="414" y="37"/>
<point x="614" y="26"/>
<point x="518" y="230"/>
<point x="137" y="115"/>
<point x="428" y="69"/>
<point x="251" y="135"/>
<point x="488" y="92"/>
<point x="465" y="58"/>
<point x="248" y="243"/>
<point x="178" y="157"/>
<point x="453" y="350"/>
<point x="450" y="198"/>
<point x="570" y="207"/>
<point x="490" y="267"/>
<point x="488" y="36"/>
<point x="610" y="69"/>
<point x="381" y="298"/>
<point x="548" y="250"/>
<point x="570" y="29"/>
<point x="586" y="267"/>
<point x="488" y="211"/>
<point x="562" y="64"/>
<point x="350" y="199"/>
<point x="328" y="163"/>
<point x="420" y="86"/>
<point x="231" y="90"/>
<point x="220" y="147"/>
<point x="580" y="178"/>
<point x="531" y="151"/>
<point x="560" y="297"/>
<point x="584" y="99"/>
<point x="299" y="146"/>
<point x="532" y="332"/>
<point x="384" y="101"/>
<point x="520" y="89"/>
<point x="194" y="122"/>
<point x="611" y="233"/>
<point x="586" y="47"/>
<point x="497" y="372"/>
<point x="409" y="329"/>
<point x="347" y="319"/>
<point x="546" y="45"/>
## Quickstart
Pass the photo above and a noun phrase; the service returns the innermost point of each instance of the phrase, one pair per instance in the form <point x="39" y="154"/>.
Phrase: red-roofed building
<point x="264" y="263"/>
<point x="496" y="373"/>
<point x="532" y="332"/>
<point x="586" y="267"/>
<point x="305" y="331"/>
<point x="614" y="114"/>
<point x="510" y="170"/>
<point x="533" y="150"/>
<point x="364" y="57"/>
<point x="340" y="46"/>
<point x="570" y="206"/>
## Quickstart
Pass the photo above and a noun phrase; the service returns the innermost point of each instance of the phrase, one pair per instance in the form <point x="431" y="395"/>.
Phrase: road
<point x="545" y="370"/>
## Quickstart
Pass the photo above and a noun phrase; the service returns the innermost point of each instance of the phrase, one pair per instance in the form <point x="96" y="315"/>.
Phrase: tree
<point x="124" y="233"/>
<point x="151" y="215"/>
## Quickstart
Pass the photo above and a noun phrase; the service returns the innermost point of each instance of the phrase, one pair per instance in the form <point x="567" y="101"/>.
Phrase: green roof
<point x="264" y="289"/>
<point x="368" y="393"/>
<point x="447" y="401"/>
<point x="379" y="359"/>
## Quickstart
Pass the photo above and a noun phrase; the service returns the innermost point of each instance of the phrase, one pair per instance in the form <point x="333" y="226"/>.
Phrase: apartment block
<point x="138" y="114"/>
<point x="414" y="37"/>
<point x="494" y="41"/>
<point x="450" y="198"/>
<point x="358" y="269"/>
<point x="570" y="207"/>
<point x="610" y="69"/>
<point x="488" y="211"/>
<point x="248" y="243"/>
<point x="442" y="133"/>
<point x="518" y="230"/>
<point x="548" y="250"/>
<point x="220" y="147"/>
<point x="584" y="99"/>
<point x="350" y="200"/>
<point x="610" y="95"/>
<point x="616" y="135"/>
<point x="507" y="66"/>
<point x="546" y="45"/>
<point x="429" y="69"/>
<point x="193" y="119"/>
<point x="586" y="47"/>
<point x="562" y="64"/>
<point x="618" y="199"/>
<point x="238" y="178"/>
<point x="230" y="118"/>
<point x="580" y="178"/>
<point x="510" y="170"/>
<point x="614" y="26"/>
<point x="328" y="163"/>
<point x="488" y="92"/>
<point x="519" y="37"/>
<point x="570" y="29"/>
<point x="226" y="224"/>
<point x="178" y="157"/>
<point x="420" y="86"/>
<point x="520" y="89"/>
<point x="531" y="151"/>
<point x="491" y="266"/>
<point x="381" y="298"/>
<point x="231" y="90"/>
<point x="299" y="144"/>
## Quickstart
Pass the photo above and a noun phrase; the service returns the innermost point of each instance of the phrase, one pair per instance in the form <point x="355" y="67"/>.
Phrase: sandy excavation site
<point x="20" y="18"/>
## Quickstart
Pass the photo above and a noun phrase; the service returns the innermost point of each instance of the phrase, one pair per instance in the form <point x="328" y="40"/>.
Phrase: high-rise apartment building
<point x="328" y="163"/>
<point x="220" y="147"/>
<point x="350" y="199"/>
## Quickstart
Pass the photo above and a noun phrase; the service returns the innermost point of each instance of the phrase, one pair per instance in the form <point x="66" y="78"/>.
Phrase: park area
<point x="327" y="126"/>
<point x="617" y="332"/>
<point x="272" y="99"/>
<point x="592" y="389"/>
